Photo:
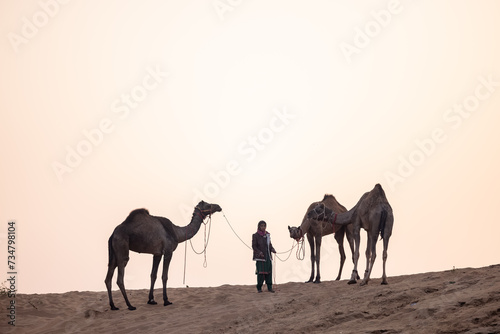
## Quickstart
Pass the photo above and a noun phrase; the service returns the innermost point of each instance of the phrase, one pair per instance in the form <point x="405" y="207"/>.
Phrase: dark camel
<point x="315" y="230"/>
<point x="372" y="213"/>
<point x="143" y="233"/>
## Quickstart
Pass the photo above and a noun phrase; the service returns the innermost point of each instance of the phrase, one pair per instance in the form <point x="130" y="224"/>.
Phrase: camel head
<point x="320" y="212"/>
<point x="295" y="233"/>
<point x="206" y="209"/>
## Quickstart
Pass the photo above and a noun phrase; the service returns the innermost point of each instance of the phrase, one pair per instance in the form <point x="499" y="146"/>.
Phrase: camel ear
<point x="289" y="228"/>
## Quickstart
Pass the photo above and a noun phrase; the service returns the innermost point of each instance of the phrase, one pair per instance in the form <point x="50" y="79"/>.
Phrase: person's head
<point x="262" y="226"/>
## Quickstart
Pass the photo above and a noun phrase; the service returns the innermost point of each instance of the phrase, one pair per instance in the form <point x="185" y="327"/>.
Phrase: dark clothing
<point x="268" y="278"/>
<point x="262" y="248"/>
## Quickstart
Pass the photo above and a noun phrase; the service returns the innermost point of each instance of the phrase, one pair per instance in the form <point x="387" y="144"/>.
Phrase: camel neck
<point x="342" y="218"/>
<point x="187" y="232"/>
<point x="306" y="224"/>
<point x="346" y="217"/>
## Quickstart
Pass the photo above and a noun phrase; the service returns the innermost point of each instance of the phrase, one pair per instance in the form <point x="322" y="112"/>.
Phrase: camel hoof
<point x="152" y="302"/>
<point x="364" y="283"/>
<point x="317" y="281"/>
<point x="310" y="281"/>
<point x="353" y="281"/>
<point x="131" y="308"/>
<point x="166" y="303"/>
<point x="114" y="308"/>
<point x="384" y="283"/>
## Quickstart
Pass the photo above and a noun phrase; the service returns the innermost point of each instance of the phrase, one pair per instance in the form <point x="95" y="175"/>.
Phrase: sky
<point x="259" y="106"/>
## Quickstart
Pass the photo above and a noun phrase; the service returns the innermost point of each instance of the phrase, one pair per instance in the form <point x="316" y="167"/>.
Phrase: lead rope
<point x="205" y="245"/>
<point x="300" y="249"/>
<point x="205" y="240"/>
<point x="274" y="275"/>
<point x="236" y="234"/>
<point x="185" y="261"/>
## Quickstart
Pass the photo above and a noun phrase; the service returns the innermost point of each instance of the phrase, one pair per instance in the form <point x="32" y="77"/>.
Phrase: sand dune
<point x="454" y="301"/>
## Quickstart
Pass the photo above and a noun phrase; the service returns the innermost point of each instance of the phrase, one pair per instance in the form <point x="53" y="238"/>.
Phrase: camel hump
<point x="378" y="187"/>
<point x="135" y="213"/>
<point x="327" y="196"/>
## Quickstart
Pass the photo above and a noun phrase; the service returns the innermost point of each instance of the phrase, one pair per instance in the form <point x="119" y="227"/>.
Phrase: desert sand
<point x="453" y="301"/>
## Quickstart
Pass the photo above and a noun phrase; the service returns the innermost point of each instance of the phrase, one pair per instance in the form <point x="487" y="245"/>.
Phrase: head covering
<point x="258" y="229"/>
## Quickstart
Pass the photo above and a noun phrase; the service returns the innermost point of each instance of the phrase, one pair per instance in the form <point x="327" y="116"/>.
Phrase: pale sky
<point x="259" y="106"/>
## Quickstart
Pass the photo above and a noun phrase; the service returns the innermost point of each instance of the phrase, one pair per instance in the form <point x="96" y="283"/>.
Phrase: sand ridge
<point x="453" y="301"/>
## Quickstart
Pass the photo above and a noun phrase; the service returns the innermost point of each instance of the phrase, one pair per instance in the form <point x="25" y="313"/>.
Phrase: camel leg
<point x="350" y="240"/>
<point x="154" y="273"/>
<point x="339" y="236"/>
<point x="310" y="240"/>
<point x="371" y="254"/>
<point x="387" y="235"/>
<point x="368" y="253"/>
<point x="355" y="257"/>
<point x="164" y="277"/>
<point x="121" y="274"/>
<point x="384" y="258"/>
<point x="107" y="281"/>
<point x="318" y="254"/>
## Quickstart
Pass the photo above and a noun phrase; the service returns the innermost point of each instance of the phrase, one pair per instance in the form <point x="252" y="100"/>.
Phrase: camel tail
<point x="111" y="252"/>
<point x="381" y="226"/>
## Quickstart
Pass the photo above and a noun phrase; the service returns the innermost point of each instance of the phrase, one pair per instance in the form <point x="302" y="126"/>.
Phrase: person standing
<point x="262" y="249"/>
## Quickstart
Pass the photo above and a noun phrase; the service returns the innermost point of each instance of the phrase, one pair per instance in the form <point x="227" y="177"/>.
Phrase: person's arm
<point x="257" y="253"/>
<point x="272" y="248"/>
<point x="254" y="243"/>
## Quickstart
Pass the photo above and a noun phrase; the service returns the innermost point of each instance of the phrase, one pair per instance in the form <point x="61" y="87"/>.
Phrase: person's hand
<point x="273" y="251"/>
<point x="261" y="254"/>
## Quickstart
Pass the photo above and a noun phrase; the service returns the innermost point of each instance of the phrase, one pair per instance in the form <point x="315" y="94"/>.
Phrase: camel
<point x="372" y="213"/>
<point x="315" y="230"/>
<point x="143" y="233"/>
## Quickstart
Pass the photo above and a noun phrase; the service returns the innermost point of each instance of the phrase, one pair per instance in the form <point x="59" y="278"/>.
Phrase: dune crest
<point x="453" y="301"/>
